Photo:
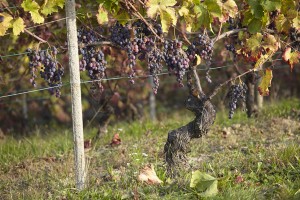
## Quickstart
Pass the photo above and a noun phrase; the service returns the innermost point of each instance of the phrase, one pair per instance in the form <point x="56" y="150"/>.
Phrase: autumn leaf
<point x="18" y="26"/>
<point x="6" y="23"/>
<point x="102" y="15"/>
<point x="116" y="140"/>
<point x="265" y="83"/>
<point x="165" y="10"/>
<point x="33" y="8"/>
<point x="51" y="6"/>
<point x="270" y="43"/>
<point x="148" y="175"/>
<point x="291" y="57"/>
<point x="229" y="9"/>
<point x="263" y="59"/>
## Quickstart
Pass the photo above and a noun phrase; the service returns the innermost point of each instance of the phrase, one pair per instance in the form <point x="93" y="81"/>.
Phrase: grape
<point x="175" y="59"/>
<point x="1" y="19"/>
<point x="48" y="67"/>
<point x="87" y="36"/>
<point x="203" y="47"/>
<point x="231" y="48"/>
<point x="120" y="35"/>
<point x="155" y="58"/>
<point x="235" y="93"/>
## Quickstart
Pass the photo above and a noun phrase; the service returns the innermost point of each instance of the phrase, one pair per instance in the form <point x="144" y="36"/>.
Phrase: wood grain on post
<point x="75" y="94"/>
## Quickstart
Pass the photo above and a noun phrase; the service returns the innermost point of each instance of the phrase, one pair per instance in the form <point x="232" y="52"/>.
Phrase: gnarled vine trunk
<point x="177" y="145"/>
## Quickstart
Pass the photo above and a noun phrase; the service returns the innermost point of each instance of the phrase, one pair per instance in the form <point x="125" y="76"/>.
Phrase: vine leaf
<point x="51" y="6"/>
<point x="263" y="59"/>
<point x="102" y="15"/>
<point x="18" y="26"/>
<point x="167" y="13"/>
<point x="5" y="24"/>
<point x="205" y="183"/>
<point x="291" y="57"/>
<point x="265" y="83"/>
<point x="214" y="7"/>
<point x="229" y="9"/>
<point x="33" y="8"/>
<point x="270" y="43"/>
<point x="255" y="25"/>
<point x="271" y="5"/>
<point x="254" y="43"/>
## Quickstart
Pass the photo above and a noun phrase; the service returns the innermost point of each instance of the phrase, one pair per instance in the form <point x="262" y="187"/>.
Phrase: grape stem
<point x="228" y="33"/>
<point x="216" y="90"/>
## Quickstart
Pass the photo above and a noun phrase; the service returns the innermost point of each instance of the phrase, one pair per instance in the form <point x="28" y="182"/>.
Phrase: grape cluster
<point x="120" y="35"/>
<point x="87" y="36"/>
<point x="92" y="59"/>
<point x="155" y="58"/>
<point x="49" y="69"/>
<point x="202" y="46"/>
<point x="175" y="59"/>
<point x="236" y="92"/>
<point x="1" y="19"/>
<point x="141" y="29"/>
<point x="231" y="48"/>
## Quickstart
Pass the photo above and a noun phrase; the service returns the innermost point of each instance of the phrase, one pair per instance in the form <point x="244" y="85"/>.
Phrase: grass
<point x="255" y="158"/>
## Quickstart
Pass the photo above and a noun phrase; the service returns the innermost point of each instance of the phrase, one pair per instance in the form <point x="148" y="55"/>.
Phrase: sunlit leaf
<point x="148" y="175"/>
<point x="102" y="15"/>
<point x="263" y="59"/>
<point x="33" y="8"/>
<point x="271" y="5"/>
<point x="270" y="43"/>
<point x="265" y="83"/>
<point x="6" y="23"/>
<point x="18" y="26"/>
<point x="51" y="6"/>
<point x="229" y="9"/>
<point x="254" y="42"/>
<point x="214" y="7"/>
<point x="291" y="57"/>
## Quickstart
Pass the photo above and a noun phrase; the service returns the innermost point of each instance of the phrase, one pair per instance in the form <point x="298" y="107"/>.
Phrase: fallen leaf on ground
<point x="148" y="175"/>
<point x="87" y="145"/>
<point x="116" y="140"/>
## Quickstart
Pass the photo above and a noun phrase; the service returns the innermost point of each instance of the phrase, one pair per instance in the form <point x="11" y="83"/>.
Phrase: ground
<point x="256" y="158"/>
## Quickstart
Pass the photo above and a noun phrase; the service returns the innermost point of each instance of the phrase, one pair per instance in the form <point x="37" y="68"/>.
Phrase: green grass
<point x="263" y="151"/>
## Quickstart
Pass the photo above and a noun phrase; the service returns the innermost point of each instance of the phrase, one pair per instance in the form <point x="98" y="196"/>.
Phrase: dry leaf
<point x="116" y="140"/>
<point x="87" y="145"/>
<point x="148" y="175"/>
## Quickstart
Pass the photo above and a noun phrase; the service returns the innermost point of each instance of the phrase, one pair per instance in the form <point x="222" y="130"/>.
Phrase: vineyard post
<point x="152" y="101"/>
<point x="75" y="94"/>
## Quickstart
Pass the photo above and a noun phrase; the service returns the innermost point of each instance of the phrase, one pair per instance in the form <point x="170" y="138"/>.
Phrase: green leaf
<point x="204" y="183"/>
<point x="296" y="23"/>
<point x="214" y="7"/>
<point x="51" y="6"/>
<point x="254" y="42"/>
<point x="202" y="16"/>
<point x="6" y="23"/>
<point x="265" y="83"/>
<point x="282" y="24"/>
<point x="255" y="25"/>
<point x="18" y="26"/>
<point x="256" y="9"/>
<point x="102" y="15"/>
<point x="271" y="5"/>
<point x="122" y="17"/>
<point x="248" y="16"/>
<point x="33" y="8"/>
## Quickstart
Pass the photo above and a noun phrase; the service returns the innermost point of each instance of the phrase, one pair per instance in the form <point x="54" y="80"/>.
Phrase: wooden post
<point x="75" y="94"/>
<point x="152" y="101"/>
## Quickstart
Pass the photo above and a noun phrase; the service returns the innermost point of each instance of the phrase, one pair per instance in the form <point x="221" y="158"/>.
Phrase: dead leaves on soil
<point x="148" y="175"/>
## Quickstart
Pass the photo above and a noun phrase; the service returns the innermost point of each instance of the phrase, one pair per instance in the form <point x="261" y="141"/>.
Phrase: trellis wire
<point x="110" y="79"/>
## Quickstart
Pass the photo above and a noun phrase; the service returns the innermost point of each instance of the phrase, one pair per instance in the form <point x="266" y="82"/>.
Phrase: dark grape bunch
<point x="141" y="29"/>
<point x="155" y="58"/>
<point x="175" y="59"/>
<point x="235" y="93"/>
<point x="231" y="48"/>
<point x="202" y="46"/>
<point x="87" y="36"/>
<point x="120" y="35"/>
<point x="49" y="69"/>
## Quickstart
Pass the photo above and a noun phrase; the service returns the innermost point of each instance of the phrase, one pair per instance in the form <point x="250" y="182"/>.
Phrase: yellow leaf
<point x="148" y="175"/>
<point x="6" y="23"/>
<point x="18" y="26"/>
<point x="265" y="83"/>
<point x="263" y="59"/>
<point x="33" y="7"/>
<point x="291" y="57"/>
<point x="198" y="59"/>
<point x="102" y="15"/>
<point x="154" y="6"/>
